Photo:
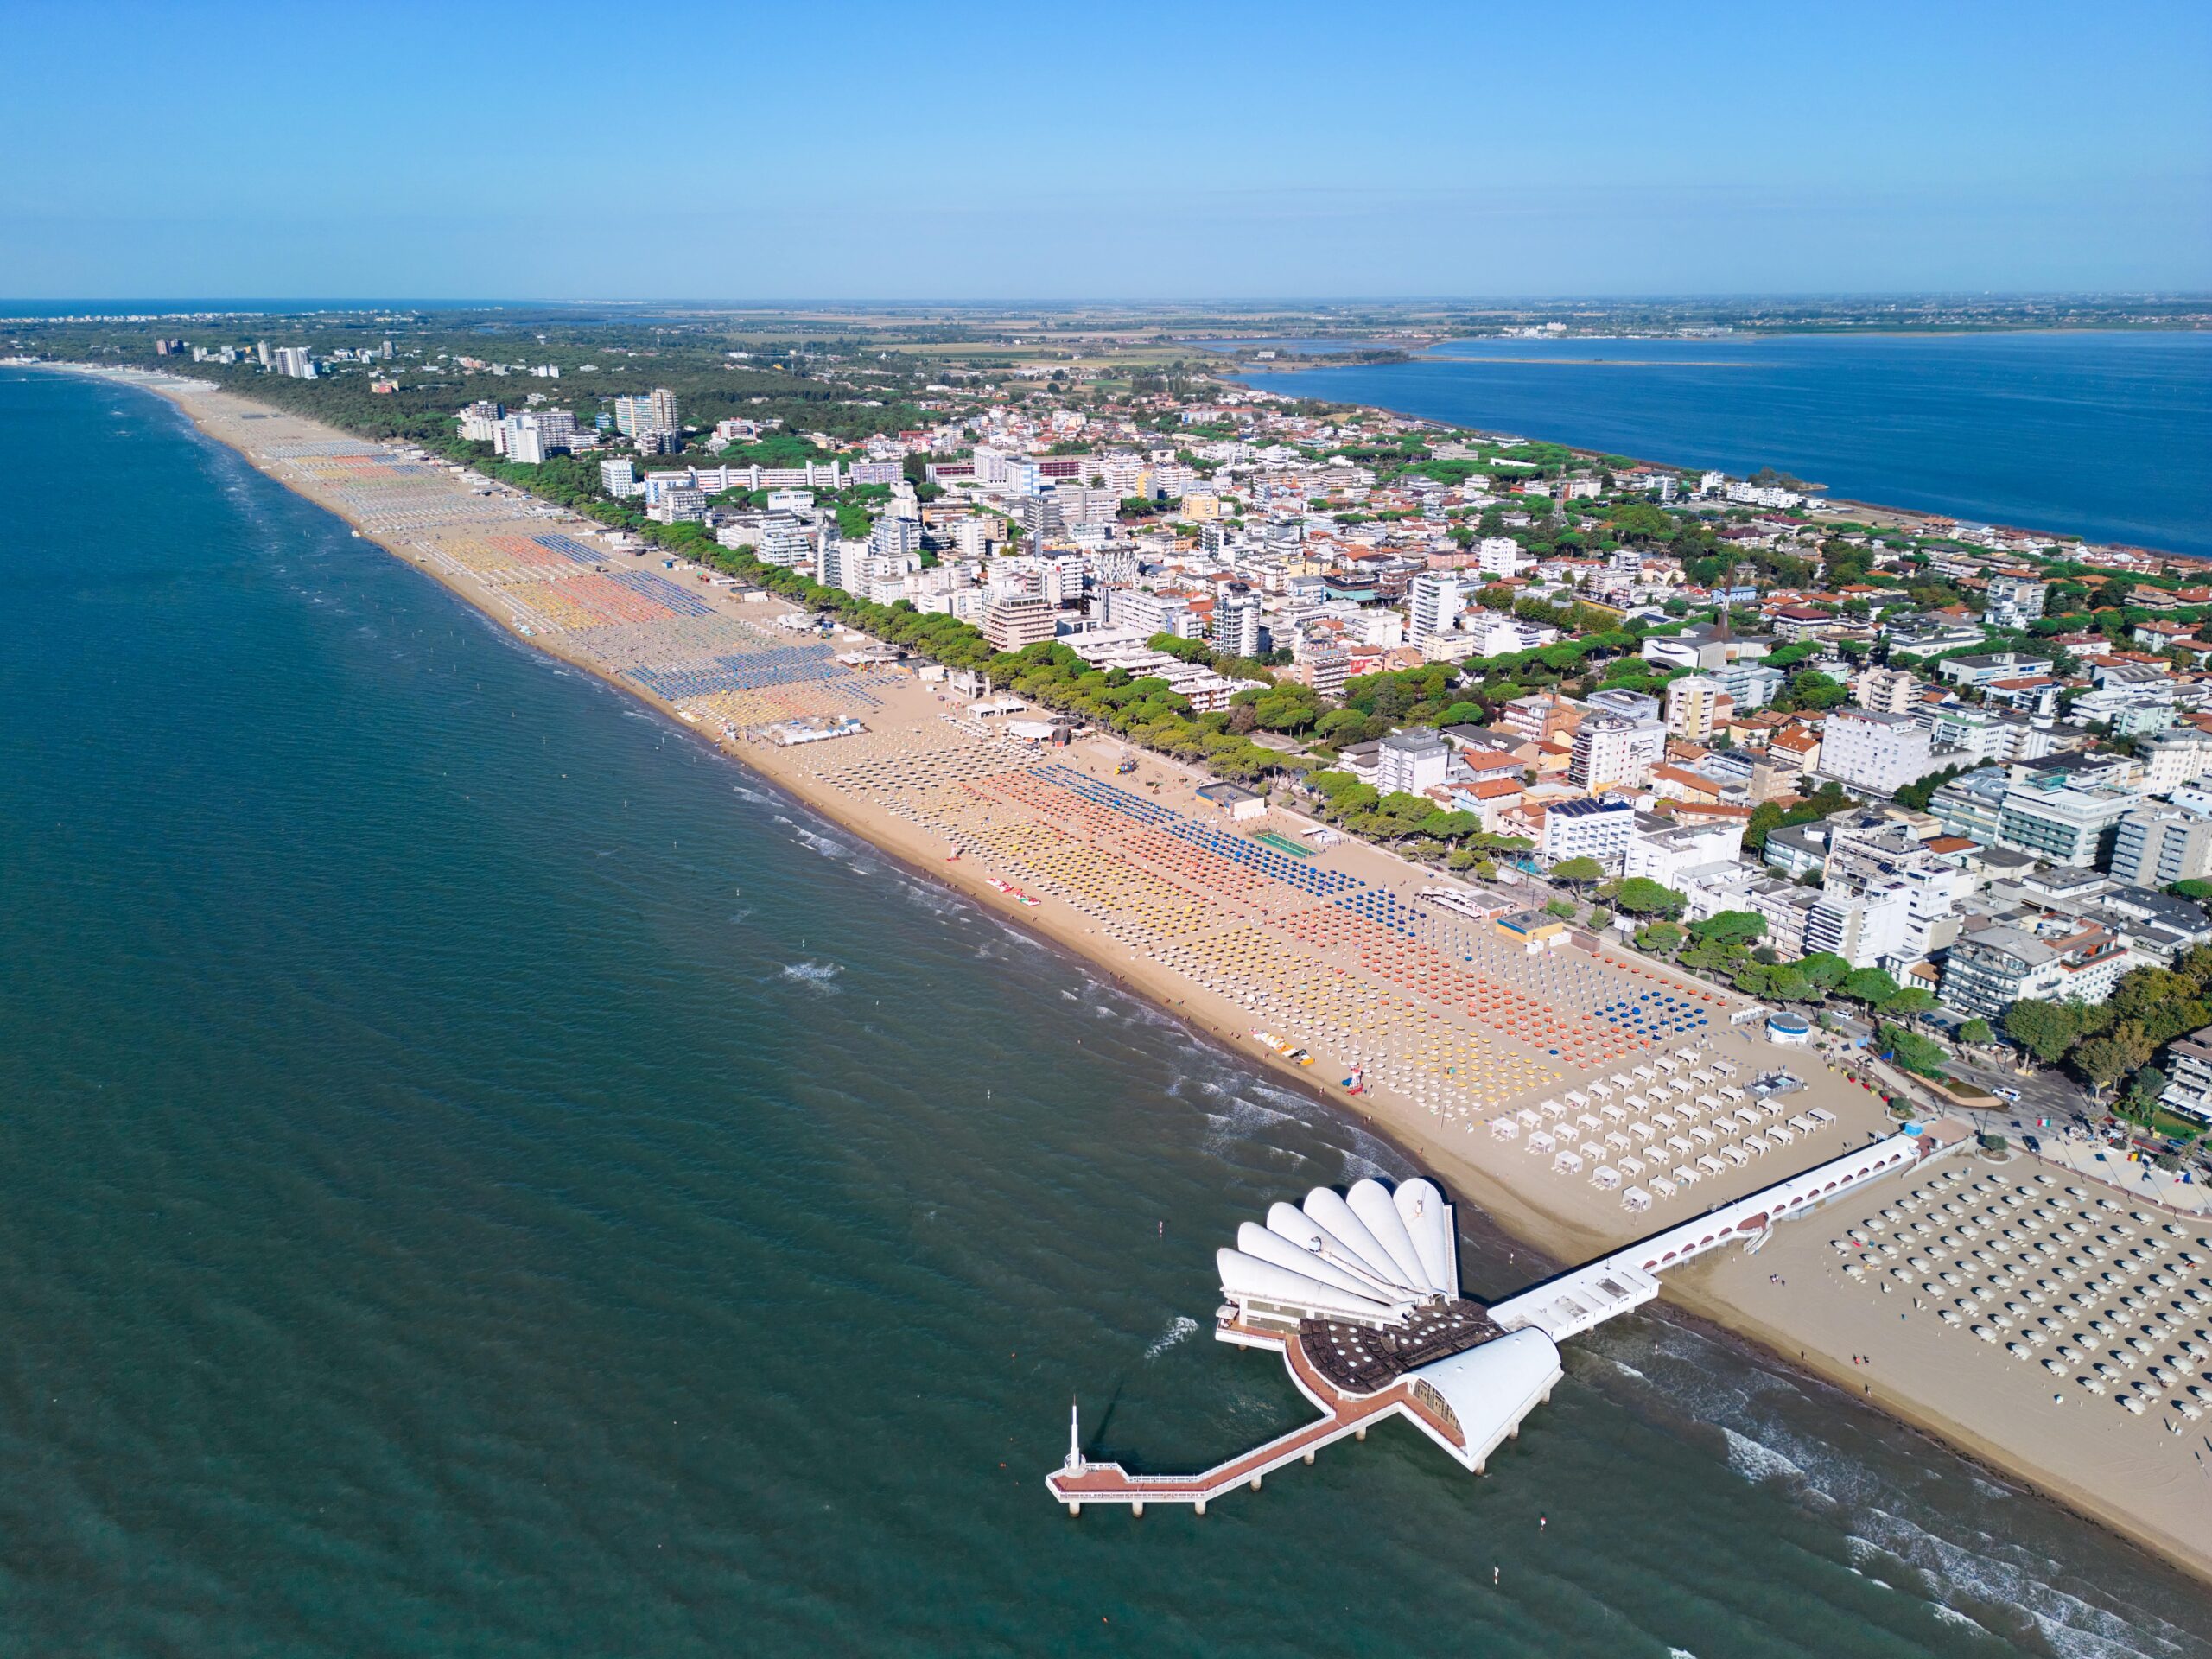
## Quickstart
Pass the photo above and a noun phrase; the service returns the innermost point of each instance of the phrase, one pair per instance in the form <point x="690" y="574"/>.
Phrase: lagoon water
<point x="2104" y="435"/>
<point x="480" y="1175"/>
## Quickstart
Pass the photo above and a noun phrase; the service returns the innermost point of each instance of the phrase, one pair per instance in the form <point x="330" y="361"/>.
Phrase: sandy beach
<point x="1521" y="1080"/>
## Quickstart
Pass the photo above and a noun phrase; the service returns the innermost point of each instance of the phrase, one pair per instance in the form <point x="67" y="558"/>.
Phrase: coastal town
<point x="1626" y="840"/>
<point x="1056" y="874"/>
<point x="1938" y="787"/>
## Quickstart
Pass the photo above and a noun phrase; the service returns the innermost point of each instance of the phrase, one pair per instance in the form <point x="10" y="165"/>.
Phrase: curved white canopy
<point x="1374" y="1256"/>
<point x="1308" y="1235"/>
<point x="1491" y="1387"/>
<point x="1243" y="1276"/>
<point x="1370" y="1201"/>
<point x="1256" y="1241"/>
<point x="1326" y="1209"/>
<point x="1428" y="1223"/>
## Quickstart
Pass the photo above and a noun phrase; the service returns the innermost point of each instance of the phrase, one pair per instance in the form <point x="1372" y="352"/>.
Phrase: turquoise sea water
<point x="480" y="1175"/>
<point x="2104" y="435"/>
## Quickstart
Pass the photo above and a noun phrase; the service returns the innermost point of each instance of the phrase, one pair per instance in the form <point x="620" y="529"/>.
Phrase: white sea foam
<point x="929" y="898"/>
<point x="814" y="840"/>
<point x="1244" y="1120"/>
<point x="1181" y="1326"/>
<point x="2071" y="1626"/>
<point x="1756" y="1461"/>
<point x="1370" y="1157"/>
<point x="815" y="974"/>
<point x="1952" y="1616"/>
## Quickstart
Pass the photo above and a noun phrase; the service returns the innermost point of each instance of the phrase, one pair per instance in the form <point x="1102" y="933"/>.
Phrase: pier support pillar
<point x="1255" y="1483"/>
<point x="1483" y="1468"/>
<point x="1137" y="1508"/>
<point x="1513" y="1432"/>
<point x="1198" y="1507"/>
<point x="1360" y="1433"/>
<point x="1074" y="1508"/>
<point x="1309" y="1457"/>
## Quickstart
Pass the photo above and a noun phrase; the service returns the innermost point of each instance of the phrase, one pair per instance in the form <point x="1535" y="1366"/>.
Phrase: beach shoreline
<point x="1721" y="1292"/>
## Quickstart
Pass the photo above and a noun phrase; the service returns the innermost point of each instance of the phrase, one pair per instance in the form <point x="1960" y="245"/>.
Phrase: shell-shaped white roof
<point x="1244" y="1275"/>
<point x="1253" y="1240"/>
<point x="1372" y="1255"/>
<point x="1370" y="1201"/>
<point x="1428" y="1221"/>
<point x="1309" y="1236"/>
<point x="1326" y="1209"/>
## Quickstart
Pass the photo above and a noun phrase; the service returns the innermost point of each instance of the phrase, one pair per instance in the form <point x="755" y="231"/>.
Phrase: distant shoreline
<point x="1914" y="519"/>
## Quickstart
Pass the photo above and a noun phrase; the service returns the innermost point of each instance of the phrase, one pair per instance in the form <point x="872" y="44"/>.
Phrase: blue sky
<point x="1135" y="151"/>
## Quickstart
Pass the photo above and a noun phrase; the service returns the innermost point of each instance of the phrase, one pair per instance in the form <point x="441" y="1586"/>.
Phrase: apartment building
<point x="1748" y="684"/>
<point x="1697" y="705"/>
<point x="1991" y="968"/>
<point x="1434" y="602"/>
<point x="1612" y="749"/>
<point x="2157" y="846"/>
<point x="1541" y="717"/>
<point x="1009" y="625"/>
<point x="2174" y="760"/>
<point x="1237" y="623"/>
<point x="2013" y="602"/>
<point x="1886" y="691"/>
<point x="2188" y="1073"/>
<point x="1598" y="827"/>
<point x="1412" y="762"/>
<point x="1985" y="667"/>
<point x="1664" y="849"/>
<point x="2054" y="823"/>
<point x="646" y="415"/>
<point x="1879" y="752"/>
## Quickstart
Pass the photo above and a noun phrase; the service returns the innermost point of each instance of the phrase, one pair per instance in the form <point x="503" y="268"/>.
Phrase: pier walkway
<point x="1081" y="1482"/>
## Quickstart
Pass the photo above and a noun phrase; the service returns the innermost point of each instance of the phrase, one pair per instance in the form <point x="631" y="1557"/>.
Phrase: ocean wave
<point x="1181" y="1326"/>
<point x="1244" y="1121"/>
<point x="2068" y="1625"/>
<point x="815" y="974"/>
<point x="815" y="841"/>
<point x="1757" y="1461"/>
<point x="929" y="898"/>
<point x="1368" y="1158"/>
<point x="1952" y="1616"/>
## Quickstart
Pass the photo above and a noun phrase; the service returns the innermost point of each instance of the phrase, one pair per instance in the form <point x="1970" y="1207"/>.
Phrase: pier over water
<point x="1359" y="1293"/>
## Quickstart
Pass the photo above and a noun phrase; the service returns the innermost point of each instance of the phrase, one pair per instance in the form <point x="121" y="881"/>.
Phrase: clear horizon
<point x="863" y="156"/>
<point x="333" y="301"/>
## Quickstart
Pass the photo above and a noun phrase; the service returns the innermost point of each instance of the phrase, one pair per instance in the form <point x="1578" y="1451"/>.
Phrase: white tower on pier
<point x="1076" y="1463"/>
